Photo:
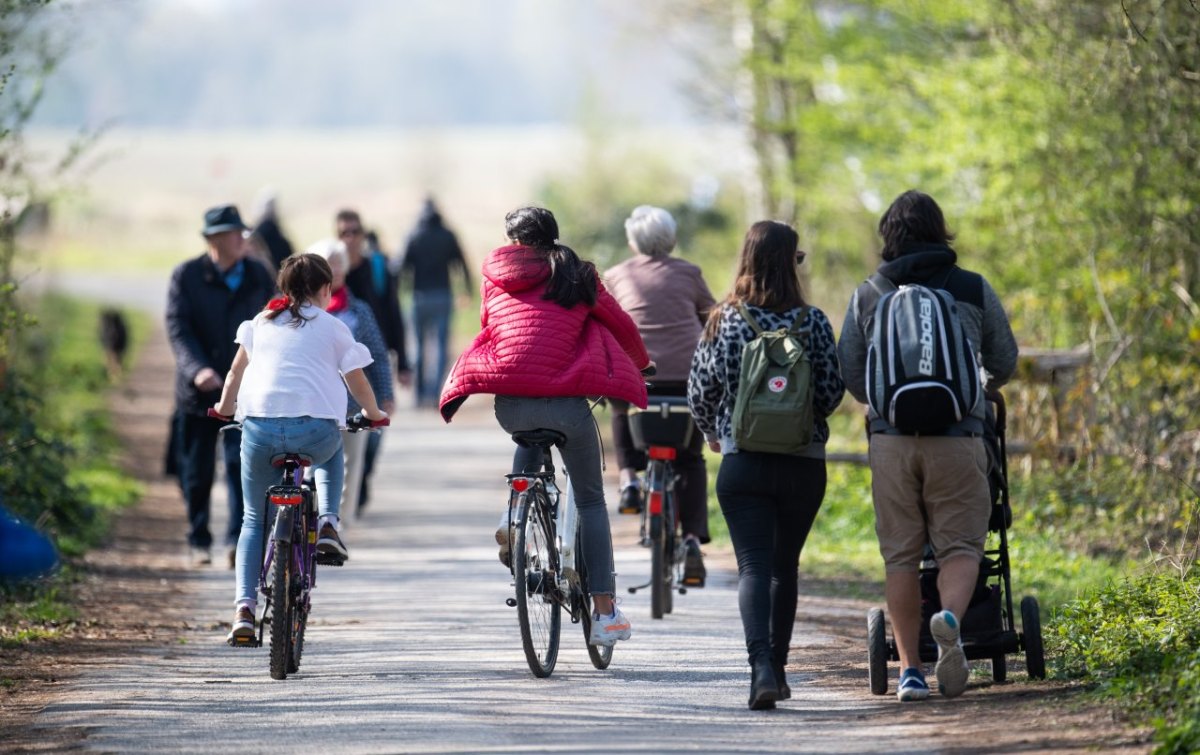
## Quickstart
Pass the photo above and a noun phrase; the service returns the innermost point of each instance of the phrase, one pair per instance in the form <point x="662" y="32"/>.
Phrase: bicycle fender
<point x="283" y="524"/>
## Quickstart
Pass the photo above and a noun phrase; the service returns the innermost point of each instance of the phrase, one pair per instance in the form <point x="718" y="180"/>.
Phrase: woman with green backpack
<point x="764" y="378"/>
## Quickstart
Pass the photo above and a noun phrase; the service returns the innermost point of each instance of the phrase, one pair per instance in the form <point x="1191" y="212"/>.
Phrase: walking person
<point x="369" y="280"/>
<point x="427" y="260"/>
<point x="669" y="301"/>
<point x="357" y="316"/>
<point x="769" y="499"/>
<point x="286" y="387"/>
<point x="552" y="336"/>
<point x="929" y="487"/>
<point x="268" y="236"/>
<point x="209" y="297"/>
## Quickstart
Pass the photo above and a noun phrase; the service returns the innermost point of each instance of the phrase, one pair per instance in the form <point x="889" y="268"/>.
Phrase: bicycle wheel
<point x="300" y="614"/>
<point x="282" y="608"/>
<point x="670" y="542"/>
<point x="660" y="560"/>
<point x="600" y="655"/>
<point x="534" y="569"/>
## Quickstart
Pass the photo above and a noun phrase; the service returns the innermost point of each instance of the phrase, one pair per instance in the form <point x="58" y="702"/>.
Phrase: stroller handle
<point x="996" y="397"/>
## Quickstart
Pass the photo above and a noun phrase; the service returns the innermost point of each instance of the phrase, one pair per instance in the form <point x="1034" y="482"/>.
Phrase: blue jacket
<point x="203" y="316"/>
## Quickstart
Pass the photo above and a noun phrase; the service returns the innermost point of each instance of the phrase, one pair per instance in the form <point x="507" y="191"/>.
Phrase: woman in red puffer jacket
<point x="552" y="336"/>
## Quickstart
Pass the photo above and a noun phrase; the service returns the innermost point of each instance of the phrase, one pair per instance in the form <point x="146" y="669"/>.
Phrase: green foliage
<point x="592" y="203"/>
<point x="1139" y="638"/>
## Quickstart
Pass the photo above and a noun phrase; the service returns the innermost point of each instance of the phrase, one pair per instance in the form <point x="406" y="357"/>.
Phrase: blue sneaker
<point x="912" y="686"/>
<point x="952" y="669"/>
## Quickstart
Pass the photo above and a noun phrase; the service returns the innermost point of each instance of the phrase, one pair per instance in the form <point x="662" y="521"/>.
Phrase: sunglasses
<point x="349" y="232"/>
<point x="800" y="257"/>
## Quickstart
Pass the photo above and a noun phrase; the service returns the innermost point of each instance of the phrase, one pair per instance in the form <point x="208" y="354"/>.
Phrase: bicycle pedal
<point x="243" y="642"/>
<point x="330" y="559"/>
<point x="693" y="582"/>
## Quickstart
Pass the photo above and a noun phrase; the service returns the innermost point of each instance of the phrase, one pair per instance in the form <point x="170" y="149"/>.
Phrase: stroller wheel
<point x="1031" y="626"/>
<point x="999" y="668"/>
<point x="877" y="652"/>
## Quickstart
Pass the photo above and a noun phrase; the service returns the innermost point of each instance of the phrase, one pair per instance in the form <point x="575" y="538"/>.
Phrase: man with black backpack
<point x="921" y="341"/>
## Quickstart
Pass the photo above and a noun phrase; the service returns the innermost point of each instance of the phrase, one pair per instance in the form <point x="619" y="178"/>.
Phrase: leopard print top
<point x="717" y="364"/>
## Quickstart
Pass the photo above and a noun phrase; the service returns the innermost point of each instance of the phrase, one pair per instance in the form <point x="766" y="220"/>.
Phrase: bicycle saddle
<point x="278" y="460"/>
<point x="539" y="438"/>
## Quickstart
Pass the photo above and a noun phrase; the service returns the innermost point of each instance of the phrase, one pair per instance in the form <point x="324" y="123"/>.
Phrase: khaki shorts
<point x="933" y="489"/>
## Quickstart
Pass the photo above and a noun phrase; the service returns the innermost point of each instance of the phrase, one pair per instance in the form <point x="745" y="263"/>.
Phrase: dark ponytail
<point x="572" y="280"/>
<point x="301" y="278"/>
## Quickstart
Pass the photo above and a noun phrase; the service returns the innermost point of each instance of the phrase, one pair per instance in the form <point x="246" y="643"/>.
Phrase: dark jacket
<point x="432" y="250"/>
<point x="385" y="307"/>
<point x="271" y="235"/>
<point x="203" y="316"/>
<point x="980" y="311"/>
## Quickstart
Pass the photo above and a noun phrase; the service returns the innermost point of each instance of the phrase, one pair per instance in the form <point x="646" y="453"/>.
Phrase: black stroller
<point x="988" y="628"/>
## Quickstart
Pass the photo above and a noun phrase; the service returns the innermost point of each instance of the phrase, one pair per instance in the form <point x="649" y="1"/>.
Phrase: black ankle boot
<point x="785" y="692"/>
<point x="764" y="687"/>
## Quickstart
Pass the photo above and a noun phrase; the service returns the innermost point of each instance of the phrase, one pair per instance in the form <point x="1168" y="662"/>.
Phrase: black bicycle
<point x="664" y="427"/>
<point x="549" y="574"/>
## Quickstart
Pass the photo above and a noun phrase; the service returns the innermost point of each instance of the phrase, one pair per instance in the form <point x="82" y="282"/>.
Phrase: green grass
<point x="72" y="383"/>
<point x="842" y="548"/>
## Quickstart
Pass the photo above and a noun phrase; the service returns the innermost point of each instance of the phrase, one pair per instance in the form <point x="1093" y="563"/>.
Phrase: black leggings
<point x="769" y="502"/>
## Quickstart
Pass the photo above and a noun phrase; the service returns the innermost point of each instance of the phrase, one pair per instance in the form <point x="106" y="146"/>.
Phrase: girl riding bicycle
<point x="285" y="387"/>
<point x="552" y="336"/>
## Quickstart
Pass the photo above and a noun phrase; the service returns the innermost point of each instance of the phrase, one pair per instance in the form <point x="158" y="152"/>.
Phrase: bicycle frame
<point x="561" y="510"/>
<point x="296" y="524"/>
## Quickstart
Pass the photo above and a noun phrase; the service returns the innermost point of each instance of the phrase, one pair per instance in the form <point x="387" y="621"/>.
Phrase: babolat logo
<point x="925" y="365"/>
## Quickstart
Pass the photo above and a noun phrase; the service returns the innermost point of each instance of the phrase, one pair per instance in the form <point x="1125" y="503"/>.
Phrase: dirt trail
<point x="143" y="607"/>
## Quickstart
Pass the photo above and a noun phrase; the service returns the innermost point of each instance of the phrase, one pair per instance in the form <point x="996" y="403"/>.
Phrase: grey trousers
<point x="581" y="455"/>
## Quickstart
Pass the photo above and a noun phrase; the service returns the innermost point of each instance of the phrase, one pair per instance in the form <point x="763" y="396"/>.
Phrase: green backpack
<point x="773" y="412"/>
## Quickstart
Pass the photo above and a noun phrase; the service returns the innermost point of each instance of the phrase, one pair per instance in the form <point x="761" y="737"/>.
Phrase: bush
<point x="1139" y="639"/>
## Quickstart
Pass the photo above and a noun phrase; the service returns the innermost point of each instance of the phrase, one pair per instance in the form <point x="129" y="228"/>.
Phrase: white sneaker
<point x="606" y="630"/>
<point x="243" y="626"/>
<point x="952" y="669"/>
<point x="505" y="537"/>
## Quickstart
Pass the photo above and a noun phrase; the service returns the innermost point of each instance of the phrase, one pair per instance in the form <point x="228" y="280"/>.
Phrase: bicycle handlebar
<point x="353" y="424"/>
<point x="360" y="422"/>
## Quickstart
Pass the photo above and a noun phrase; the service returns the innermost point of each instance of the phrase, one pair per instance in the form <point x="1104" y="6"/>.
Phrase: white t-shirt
<point x="296" y="371"/>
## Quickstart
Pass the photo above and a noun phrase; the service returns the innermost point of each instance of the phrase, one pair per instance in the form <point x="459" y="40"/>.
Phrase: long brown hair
<point x="301" y="278"/>
<point x="766" y="274"/>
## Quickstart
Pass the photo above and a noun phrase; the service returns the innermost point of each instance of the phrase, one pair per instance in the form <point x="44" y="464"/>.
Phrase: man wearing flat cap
<point x="209" y="297"/>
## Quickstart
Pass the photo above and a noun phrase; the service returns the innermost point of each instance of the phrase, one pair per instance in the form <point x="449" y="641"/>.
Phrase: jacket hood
<point x="918" y="263"/>
<point x="516" y="268"/>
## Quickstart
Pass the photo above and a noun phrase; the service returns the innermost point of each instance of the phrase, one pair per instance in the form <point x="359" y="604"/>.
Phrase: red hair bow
<point x="278" y="303"/>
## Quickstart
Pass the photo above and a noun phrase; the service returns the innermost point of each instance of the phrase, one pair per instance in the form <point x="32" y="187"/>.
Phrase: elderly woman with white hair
<point x="357" y="316"/>
<point x="669" y="301"/>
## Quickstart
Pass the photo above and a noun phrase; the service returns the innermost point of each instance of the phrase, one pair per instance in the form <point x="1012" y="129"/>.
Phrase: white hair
<point x="334" y="252"/>
<point x="651" y="231"/>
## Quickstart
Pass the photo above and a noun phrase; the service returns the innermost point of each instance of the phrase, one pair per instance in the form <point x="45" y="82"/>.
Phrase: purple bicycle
<point x="290" y="558"/>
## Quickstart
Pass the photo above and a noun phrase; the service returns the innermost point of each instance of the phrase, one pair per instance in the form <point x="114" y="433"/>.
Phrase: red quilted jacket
<point x="530" y="346"/>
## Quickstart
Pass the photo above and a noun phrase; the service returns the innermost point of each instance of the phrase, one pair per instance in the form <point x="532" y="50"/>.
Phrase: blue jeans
<point x="262" y="438"/>
<point x="431" y="322"/>
<point x="196" y="462"/>
<point x="581" y="456"/>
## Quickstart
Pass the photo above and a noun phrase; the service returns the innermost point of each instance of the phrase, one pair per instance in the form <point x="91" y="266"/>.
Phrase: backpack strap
<point x="795" y="328"/>
<point x="869" y="295"/>
<point x="745" y="313"/>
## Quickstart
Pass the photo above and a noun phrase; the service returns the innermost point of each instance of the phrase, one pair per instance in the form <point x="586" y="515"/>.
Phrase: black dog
<point x="114" y="337"/>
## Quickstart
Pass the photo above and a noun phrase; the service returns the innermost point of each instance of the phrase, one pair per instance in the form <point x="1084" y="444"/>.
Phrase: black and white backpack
<point x="922" y="376"/>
